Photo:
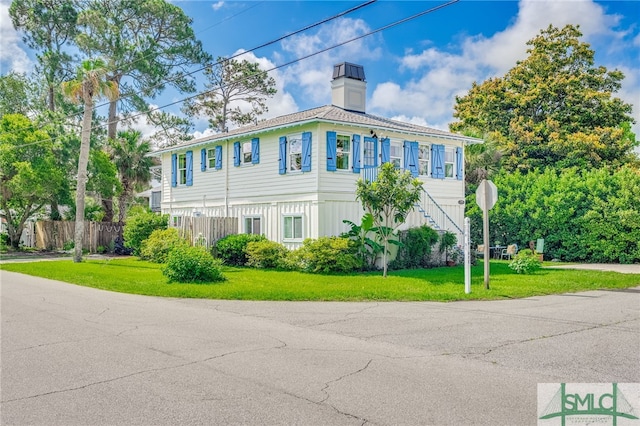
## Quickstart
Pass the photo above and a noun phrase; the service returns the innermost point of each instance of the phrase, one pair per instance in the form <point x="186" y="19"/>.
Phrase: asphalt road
<point x="79" y="356"/>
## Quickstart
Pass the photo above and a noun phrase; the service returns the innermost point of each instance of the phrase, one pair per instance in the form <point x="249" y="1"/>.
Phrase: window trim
<point x="427" y="159"/>
<point x="252" y="218"/>
<point x="244" y="160"/>
<point x="210" y="157"/>
<point x="400" y="157"/>
<point x="293" y="238"/>
<point x="341" y="152"/>
<point x="451" y="151"/>
<point x="290" y="138"/>
<point x="180" y="170"/>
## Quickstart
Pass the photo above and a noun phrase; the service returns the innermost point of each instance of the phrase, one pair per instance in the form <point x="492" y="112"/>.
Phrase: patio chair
<point x="480" y="250"/>
<point x="509" y="252"/>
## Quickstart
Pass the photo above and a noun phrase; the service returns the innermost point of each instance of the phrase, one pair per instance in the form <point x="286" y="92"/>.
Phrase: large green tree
<point x="48" y="27"/>
<point x="129" y="153"/>
<point x="555" y="108"/>
<point x="28" y="172"/>
<point x="388" y="199"/>
<point x="235" y="93"/>
<point x="147" y="45"/>
<point x="89" y="83"/>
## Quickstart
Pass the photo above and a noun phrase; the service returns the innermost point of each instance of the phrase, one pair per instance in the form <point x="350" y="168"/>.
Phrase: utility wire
<point x="383" y="28"/>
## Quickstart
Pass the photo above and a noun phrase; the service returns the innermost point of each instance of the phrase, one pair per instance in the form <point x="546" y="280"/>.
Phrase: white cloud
<point x="217" y="6"/>
<point x="439" y="75"/>
<point x="313" y="74"/>
<point x="12" y="56"/>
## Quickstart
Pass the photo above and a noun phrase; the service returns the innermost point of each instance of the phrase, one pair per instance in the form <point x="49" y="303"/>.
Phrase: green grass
<point x="439" y="284"/>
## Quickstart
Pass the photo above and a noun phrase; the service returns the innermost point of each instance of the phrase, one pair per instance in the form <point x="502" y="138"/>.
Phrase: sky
<point x="414" y="70"/>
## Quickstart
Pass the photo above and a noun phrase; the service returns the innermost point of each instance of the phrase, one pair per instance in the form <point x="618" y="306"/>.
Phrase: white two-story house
<point x="294" y="177"/>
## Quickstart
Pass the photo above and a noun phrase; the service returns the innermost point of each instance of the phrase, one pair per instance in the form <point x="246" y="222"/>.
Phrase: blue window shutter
<point x="413" y="159"/>
<point x="331" y="151"/>
<point x="255" y="150"/>
<point x="282" y="158"/>
<point x="236" y="154"/>
<point x="218" y="157"/>
<point x="174" y="170"/>
<point x="459" y="163"/>
<point x="437" y="161"/>
<point x="356" y="153"/>
<point x="386" y="150"/>
<point x="189" y="168"/>
<point x="203" y="160"/>
<point x="306" y="152"/>
<point x="406" y="158"/>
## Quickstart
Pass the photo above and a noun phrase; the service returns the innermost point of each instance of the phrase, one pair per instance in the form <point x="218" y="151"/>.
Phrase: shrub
<point x="159" y="244"/>
<point x="192" y="264"/>
<point x="525" y="262"/>
<point x="232" y="249"/>
<point x="416" y="247"/>
<point x="139" y="227"/>
<point x="327" y="254"/>
<point x="265" y="254"/>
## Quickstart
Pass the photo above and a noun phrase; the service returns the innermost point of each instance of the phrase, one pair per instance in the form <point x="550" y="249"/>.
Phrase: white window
<point x="211" y="158"/>
<point x="395" y="155"/>
<point x="292" y="227"/>
<point x="182" y="169"/>
<point x="246" y="152"/>
<point x="449" y="158"/>
<point x="343" y="149"/>
<point x="423" y="160"/>
<point x="252" y="225"/>
<point x="295" y="153"/>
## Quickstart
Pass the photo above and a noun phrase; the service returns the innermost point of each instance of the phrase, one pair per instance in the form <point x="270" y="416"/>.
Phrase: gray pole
<point x="467" y="255"/>
<point x="485" y="231"/>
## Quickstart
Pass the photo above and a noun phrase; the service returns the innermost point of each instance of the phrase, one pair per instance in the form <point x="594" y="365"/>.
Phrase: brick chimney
<point x="348" y="87"/>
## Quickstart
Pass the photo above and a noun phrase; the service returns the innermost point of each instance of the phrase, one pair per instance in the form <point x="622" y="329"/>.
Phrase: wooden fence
<point x="206" y="231"/>
<point x="53" y="235"/>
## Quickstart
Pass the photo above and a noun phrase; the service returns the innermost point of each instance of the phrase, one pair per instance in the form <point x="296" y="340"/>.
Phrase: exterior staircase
<point x="435" y="215"/>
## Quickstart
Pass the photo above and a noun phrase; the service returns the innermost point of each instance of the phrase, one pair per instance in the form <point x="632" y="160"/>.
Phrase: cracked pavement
<point x="78" y="356"/>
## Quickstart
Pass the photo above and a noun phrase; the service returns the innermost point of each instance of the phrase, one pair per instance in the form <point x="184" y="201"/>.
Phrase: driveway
<point x="78" y="356"/>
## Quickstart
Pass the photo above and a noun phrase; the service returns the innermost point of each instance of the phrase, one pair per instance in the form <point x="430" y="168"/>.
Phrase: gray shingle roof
<point x="327" y="113"/>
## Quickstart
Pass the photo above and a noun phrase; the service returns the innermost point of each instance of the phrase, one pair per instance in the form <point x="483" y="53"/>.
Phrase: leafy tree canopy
<point x="555" y="108"/>
<point x="28" y="172"/>
<point x="389" y="199"/>
<point x="236" y="92"/>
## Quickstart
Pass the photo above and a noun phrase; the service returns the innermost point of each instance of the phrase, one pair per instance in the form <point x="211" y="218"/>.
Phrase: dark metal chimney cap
<point x="348" y="70"/>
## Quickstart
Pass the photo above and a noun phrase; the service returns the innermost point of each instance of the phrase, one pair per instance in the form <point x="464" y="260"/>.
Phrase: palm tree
<point x="129" y="154"/>
<point x="482" y="161"/>
<point x="89" y="83"/>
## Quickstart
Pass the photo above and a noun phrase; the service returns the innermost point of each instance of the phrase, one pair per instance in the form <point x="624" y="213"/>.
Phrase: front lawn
<point x="439" y="284"/>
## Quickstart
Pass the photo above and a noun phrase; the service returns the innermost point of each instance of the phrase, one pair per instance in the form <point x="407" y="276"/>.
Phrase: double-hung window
<point x="295" y="153"/>
<point x="182" y="169"/>
<point x="246" y="153"/>
<point x="449" y="159"/>
<point x="395" y="155"/>
<point x="252" y="225"/>
<point x="343" y="151"/>
<point x="211" y="158"/>
<point x="292" y="227"/>
<point x="423" y="160"/>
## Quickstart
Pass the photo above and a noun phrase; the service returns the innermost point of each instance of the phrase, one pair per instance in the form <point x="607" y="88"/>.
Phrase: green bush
<point x="525" y="262"/>
<point x="325" y="255"/>
<point x="188" y="264"/>
<point x="416" y="247"/>
<point x="266" y="254"/>
<point x="139" y="227"/>
<point x="156" y="248"/>
<point x="232" y="249"/>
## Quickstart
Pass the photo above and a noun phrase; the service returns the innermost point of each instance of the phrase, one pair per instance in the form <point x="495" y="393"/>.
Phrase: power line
<point x="383" y="28"/>
<point x="161" y="83"/>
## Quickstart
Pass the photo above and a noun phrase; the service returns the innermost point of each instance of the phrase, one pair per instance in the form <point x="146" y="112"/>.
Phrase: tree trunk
<point x="83" y="160"/>
<point x="112" y="128"/>
<point x="55" y="209"/>
<point x="107" y="206"/>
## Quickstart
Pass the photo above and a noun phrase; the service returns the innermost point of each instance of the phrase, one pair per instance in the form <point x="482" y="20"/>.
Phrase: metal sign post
<point x="467" y="255"/>
<point x="486" y="197"/>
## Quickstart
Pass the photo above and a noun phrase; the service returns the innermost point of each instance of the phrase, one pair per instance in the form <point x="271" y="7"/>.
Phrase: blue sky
<point x="414" y="70"/>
